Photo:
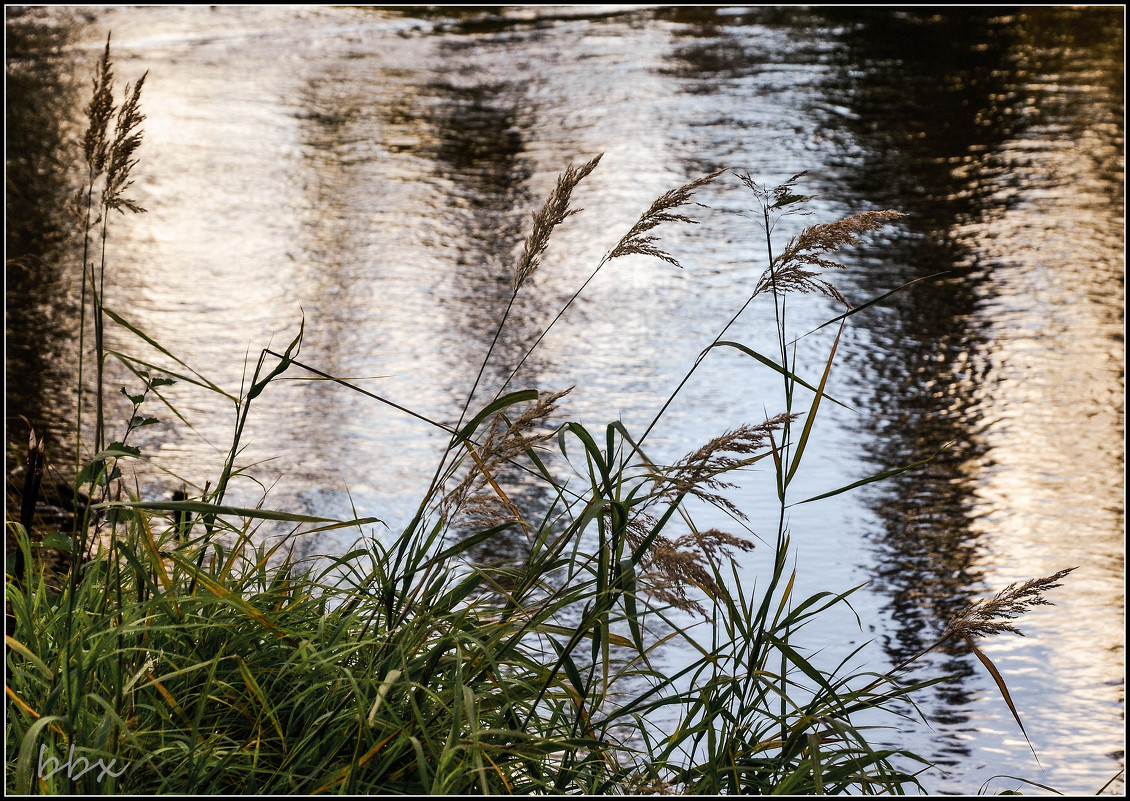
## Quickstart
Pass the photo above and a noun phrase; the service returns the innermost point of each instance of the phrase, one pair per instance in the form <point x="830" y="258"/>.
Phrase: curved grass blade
<point x="498" y="404"/>
<point x="857" y="309"/>
<point x="36" y="662"/>
<point x="204" y="382"/>
<point x="874" y="478"/>
<point x="131" y="363"/>
<point x="999" y="679"/>
<point x="27" y="751"/>
<point x="203" y="508"/>
<point x="285" y="361"/>
<point x="748" y="351"/>
<point x="1033" y="784"/>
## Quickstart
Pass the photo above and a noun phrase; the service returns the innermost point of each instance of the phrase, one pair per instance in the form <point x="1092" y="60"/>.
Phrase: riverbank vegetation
<point x="175" y="651"/>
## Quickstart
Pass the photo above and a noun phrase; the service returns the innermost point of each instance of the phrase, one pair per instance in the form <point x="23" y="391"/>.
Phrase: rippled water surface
<point x="372" y="172"/>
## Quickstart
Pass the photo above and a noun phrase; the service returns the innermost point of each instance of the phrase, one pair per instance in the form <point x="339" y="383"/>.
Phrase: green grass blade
<point x="748" y="351"/>
<point x="811" y="418"/>
<point x="204" y="508"/>
<point x="28" y="751"/>
<point x="499" y="404"/>
<point x="877" y="477"/>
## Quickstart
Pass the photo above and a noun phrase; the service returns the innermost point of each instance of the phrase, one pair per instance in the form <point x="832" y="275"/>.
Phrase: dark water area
<point x="372" y="172"/>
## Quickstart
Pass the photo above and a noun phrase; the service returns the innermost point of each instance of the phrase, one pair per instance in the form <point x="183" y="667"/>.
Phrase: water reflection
<point x="912" y="86"/>
<point x="963" y="118"/>
<point x="478" y="120"/>
<point x="376" y="168"/>
<point x="43" y="246"/>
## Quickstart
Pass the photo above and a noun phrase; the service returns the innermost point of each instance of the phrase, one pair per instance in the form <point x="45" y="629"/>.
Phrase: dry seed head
<point x="127" y="138"/>
<point x="996" y="614"/>
<point x="794" y="278"/>
<point x="826" y="237"/>
<point x="555" y="211"/>
<point x="670" y="567"/>
<point x="698" y="473"/>
<point x="503" y="442"/>
<point x="486" y="510"/>
<point x="638" y="241"/>
<point x="789" y="271"/>
<point x="687" y="562"/>
<point x="780" y="196"/>
<point x="99" y="112"/>
<point x="654" y="786"/>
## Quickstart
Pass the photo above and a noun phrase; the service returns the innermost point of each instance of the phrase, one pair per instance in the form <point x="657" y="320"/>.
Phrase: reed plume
<point x="127" y="138"/>
<point x="994" y="616"/>
<point x="791" y="271"/>
<point x="698" y="473"/>
<point x="99" y="112"/>
<point x="555" y="211"/>
<point x="478" y="494"/>
<point x="670" y="567"/>
<point x="639" y="241"/>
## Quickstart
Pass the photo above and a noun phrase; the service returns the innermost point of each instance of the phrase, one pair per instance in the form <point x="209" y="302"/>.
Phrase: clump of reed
<point x="203" y="660"/>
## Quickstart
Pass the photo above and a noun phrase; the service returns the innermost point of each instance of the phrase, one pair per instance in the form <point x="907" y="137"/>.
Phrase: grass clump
<point x="181" y="653"/>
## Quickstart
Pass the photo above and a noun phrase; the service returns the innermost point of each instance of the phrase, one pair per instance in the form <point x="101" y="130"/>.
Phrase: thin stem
<point x="99" y="344"/>
<point x="78" y="528"/>
<point x="694" y="367"/>
<point x="779" y="317"/>
<point x="552" y="323"/>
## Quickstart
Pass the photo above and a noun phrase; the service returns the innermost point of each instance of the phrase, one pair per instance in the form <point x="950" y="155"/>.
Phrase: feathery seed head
<point x="670" y="567"/>
<point x="638" y="241"/>
<point x="790" y="271"/>
<point x="555" y="211"/>
<point x="503" y="442"/>
<point x="127" y="138"/>
<point x="996" y="614"/>
<point x="698" y="473"/>
<point x="98" y="112"/>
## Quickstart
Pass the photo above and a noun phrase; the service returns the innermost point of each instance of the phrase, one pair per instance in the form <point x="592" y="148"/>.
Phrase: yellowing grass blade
<point x="156" y="560"/>
<point x="220" y="591"/>
<point x="253" y="685"/>
<point x="999" y="679"/>
<point x="22" y="649"/>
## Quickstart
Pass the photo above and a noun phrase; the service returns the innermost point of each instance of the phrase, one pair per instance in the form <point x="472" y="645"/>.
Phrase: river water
<point x="372" y="172"/>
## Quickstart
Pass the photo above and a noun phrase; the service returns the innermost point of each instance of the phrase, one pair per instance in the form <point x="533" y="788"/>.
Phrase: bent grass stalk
<point x="217" y="664"/>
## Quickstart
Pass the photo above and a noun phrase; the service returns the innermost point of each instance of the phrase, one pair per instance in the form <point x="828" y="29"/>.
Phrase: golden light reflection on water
<point x="1052" y="492"/>
<point x="1016" y="356"/>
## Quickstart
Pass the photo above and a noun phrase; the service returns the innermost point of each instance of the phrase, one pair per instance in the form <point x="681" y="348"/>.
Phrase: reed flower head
<point x="671" y="567"/>
<point x="782" y="199"/>
<point x="795" y="270"/>
<point x="99" y="112"/>
<point x="698" y="473"/>
<point x="555" y="211"/>
<point x="639" y="241"/>
<point x="112" y="157"/>
<point x="504" y="441"/>
<point x="127" y="138"/>
<point x="993" y="616"/>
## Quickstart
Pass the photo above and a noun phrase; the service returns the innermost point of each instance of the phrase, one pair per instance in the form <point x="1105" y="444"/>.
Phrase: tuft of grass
<point x="199" y="658"/>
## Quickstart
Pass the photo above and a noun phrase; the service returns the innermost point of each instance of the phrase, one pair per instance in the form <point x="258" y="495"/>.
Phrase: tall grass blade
<point x="999" y="679"/>
<point x="748" y="351"/>
<point x="877" y="477"/>
<point x="811" y="418"/>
